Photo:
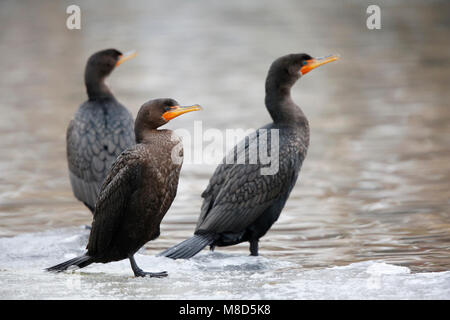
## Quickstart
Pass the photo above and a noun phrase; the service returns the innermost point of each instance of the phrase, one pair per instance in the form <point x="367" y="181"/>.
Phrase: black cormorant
<point x="240" y="203"/>
<point x="100" y="130"/>
<point x="137" y="192"/>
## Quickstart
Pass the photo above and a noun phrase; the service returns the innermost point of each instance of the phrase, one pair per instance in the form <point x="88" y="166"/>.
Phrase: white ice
<point x="206" y="276"/>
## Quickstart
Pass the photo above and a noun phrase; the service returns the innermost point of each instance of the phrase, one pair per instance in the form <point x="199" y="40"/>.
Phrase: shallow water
<point x="373" y="191"/>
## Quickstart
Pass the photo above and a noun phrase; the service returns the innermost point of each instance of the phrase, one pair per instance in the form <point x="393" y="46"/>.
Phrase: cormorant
<point x="100" y="130"/>
<point x="137" y="192"/>
<point x="240" y="203"/>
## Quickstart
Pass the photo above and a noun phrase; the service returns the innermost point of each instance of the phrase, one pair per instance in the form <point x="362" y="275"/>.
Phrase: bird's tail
<point x="189" y="247"/>
<point x="80" y="262"/>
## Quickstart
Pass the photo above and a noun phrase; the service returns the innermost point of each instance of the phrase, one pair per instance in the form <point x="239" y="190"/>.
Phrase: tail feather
<point x="189" y="247"/>
<point x="80" y="262"/>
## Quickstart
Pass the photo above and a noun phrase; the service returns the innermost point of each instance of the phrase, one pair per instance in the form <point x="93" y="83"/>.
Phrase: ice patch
<point x="209" y="275"/>
<point x="384" y="268"/>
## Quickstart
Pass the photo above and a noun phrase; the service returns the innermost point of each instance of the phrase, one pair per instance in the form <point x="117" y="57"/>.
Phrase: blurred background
<point x="375" y="183"/>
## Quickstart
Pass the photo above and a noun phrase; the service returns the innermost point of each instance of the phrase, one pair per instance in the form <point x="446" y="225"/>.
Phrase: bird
<point x="100" y="129"/>
<point x="241" y="202"/>
<point x="137" y="192"/>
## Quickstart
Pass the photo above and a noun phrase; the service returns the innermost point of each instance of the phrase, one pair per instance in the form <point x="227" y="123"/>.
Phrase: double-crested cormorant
<point x="100" y="130"/>
<point x="137" y="192"/>
<point x="241" y="204"/>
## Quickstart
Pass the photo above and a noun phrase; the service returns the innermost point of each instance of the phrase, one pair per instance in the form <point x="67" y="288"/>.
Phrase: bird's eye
<point x="167" y="108"/>
<point x="304" y="62"/>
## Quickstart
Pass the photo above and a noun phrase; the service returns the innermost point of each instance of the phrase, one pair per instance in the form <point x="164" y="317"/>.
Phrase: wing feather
<point x="112" y="202"/>
<point x="94" y="140"/>
<point x="238" y="193"/>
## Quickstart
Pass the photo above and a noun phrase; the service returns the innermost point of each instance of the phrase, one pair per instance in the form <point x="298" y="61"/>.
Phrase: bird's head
<point x="286" y="70"/>
<point x="156" y="113"/>
<point x="102" y="63"/>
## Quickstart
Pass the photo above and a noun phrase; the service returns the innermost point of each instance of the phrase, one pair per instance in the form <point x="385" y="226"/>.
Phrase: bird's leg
<point x="212" y="247"/>
<point x="254" y="248"/>
<point x="138" y="272"/>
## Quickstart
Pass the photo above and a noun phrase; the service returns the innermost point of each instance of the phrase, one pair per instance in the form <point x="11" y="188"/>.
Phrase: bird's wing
<point x="120" y="128"/>
<point x="220" y="174"/>
<point x="80" y="154"/>
<point x="116" y="190"/>
<point x="92" y="146"/>
<point x="238" y="193"/>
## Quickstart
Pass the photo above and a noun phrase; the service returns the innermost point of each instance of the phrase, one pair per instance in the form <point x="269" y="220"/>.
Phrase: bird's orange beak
<point x="317" y="62"/>
<point x="126" y="56"/>
<point x="176" y="111"/>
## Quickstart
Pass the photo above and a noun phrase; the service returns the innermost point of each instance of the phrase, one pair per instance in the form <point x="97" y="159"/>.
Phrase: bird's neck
<point x="280" y="105"/>
<point x="148" y="135"/>
<point x="96" y="87"/>
<point x="144" y="135"/>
